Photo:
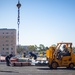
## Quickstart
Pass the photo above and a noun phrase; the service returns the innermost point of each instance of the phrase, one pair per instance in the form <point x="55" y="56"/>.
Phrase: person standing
<point x="8" y="63"/>
<point x="33" y="55"/>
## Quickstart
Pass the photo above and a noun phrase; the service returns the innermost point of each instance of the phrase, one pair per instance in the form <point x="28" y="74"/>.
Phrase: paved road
<point x="34" y="70"/>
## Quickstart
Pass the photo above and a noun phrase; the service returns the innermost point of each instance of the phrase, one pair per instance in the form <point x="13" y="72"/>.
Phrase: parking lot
<point x="34" y="70"/>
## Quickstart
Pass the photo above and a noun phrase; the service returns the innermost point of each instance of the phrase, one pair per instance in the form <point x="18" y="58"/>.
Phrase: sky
<point x="44" y="22"/>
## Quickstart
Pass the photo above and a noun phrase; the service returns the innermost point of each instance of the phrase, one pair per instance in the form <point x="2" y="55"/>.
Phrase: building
<point x="7" y="41"/>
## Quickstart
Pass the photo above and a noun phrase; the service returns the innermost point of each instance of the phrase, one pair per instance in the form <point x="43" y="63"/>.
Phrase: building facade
<point x="7" y="41"/>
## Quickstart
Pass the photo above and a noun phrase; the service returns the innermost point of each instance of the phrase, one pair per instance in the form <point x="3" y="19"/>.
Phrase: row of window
<point x="7" y="33"/>
<point x="7" y="48"/>
<point x="9" y="40"/>
<point x="6" y="53"/>
<point x="8" y="36"/>
<point x="7" y="45"/>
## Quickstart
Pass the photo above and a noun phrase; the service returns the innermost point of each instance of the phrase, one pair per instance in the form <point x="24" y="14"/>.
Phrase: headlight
<point x="42" y="61"/>
<point x="37" y="61"/>
<point x="46" y="61"/>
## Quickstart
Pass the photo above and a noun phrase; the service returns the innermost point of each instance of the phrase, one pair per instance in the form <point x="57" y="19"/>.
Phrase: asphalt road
<point x="34" y="70"/>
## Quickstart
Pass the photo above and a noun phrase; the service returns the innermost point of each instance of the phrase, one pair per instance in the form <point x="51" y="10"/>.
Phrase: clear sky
<point x="42" y="21"/>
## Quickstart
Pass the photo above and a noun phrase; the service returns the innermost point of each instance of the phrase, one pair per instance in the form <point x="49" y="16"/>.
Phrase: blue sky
<point x="42" y="21"/>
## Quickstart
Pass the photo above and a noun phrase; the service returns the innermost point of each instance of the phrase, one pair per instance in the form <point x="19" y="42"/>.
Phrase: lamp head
<point x="18" y="5"/>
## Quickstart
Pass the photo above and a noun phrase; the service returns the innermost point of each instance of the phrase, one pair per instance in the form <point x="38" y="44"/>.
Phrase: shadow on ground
<point x="9" y="71"/>
<point x="55" y="69"/>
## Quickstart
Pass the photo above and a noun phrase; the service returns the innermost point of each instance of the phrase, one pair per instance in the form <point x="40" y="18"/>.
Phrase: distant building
<point x="25" y="48"/>
<point x="7" y="41"/>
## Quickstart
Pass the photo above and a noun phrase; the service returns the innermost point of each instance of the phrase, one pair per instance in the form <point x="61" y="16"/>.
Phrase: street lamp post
<point x="18" y="19"/>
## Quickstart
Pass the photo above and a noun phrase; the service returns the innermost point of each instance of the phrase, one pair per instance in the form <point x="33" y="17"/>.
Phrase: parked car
<point x="41" y="60"/>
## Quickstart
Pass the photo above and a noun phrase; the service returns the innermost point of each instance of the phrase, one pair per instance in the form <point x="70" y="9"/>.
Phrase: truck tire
<point x="54" y="65"/>
<point x="71" y="65"/>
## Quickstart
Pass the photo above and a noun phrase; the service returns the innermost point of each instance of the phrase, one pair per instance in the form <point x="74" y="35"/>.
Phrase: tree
<point x="42" y="47"/>
<point x="31" y="48"/>
<point x="36" y="47"/>
<point x="73" y="49"/>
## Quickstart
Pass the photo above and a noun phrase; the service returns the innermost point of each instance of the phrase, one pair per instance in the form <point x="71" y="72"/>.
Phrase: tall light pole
<point x="18" y="19"/>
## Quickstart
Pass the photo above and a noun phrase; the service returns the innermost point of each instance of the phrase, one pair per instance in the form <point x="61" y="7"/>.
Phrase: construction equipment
<point x="53" y="53"/>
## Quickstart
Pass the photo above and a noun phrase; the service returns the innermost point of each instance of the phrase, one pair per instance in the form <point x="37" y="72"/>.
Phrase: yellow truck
<point x="57" y="58"/>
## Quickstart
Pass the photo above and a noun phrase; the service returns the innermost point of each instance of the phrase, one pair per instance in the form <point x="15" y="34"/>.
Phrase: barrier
<point x="21" y="64"/>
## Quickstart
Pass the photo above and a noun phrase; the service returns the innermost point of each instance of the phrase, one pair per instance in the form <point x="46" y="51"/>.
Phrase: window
<point x="7" y="45"/>
<point x="3" y="49"/>
<point x="6" y="40"/>
<point x="7" y="53"/>
<point x="3" y="32"/>
<point x="7" y="48"/>
<point x="7" y="36"/>
<point x="3" y="44"/>
<point x="11" y="32"/>
<point x="6" y="32"/>
<point x="11" y="48"/>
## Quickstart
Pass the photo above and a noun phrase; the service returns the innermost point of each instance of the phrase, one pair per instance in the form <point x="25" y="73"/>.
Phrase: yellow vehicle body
<point x="66" y="61"/>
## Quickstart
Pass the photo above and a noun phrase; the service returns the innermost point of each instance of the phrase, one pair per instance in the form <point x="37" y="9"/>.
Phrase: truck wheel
<point x="54" y="65"/>
<point x="71" y="66"/>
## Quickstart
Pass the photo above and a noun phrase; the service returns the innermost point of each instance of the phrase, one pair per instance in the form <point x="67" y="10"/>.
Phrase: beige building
<point x="7" y="41"/>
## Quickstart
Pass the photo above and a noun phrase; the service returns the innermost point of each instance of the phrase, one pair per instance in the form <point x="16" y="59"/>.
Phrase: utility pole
<point x="18" y="19"/>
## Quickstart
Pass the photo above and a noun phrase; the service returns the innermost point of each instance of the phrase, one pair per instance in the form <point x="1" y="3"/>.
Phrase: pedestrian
<point x="24" y="54"/>
<point x="33" y="55"/>
<point x="65" y="52"/>
<point x="8" y="62"/>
